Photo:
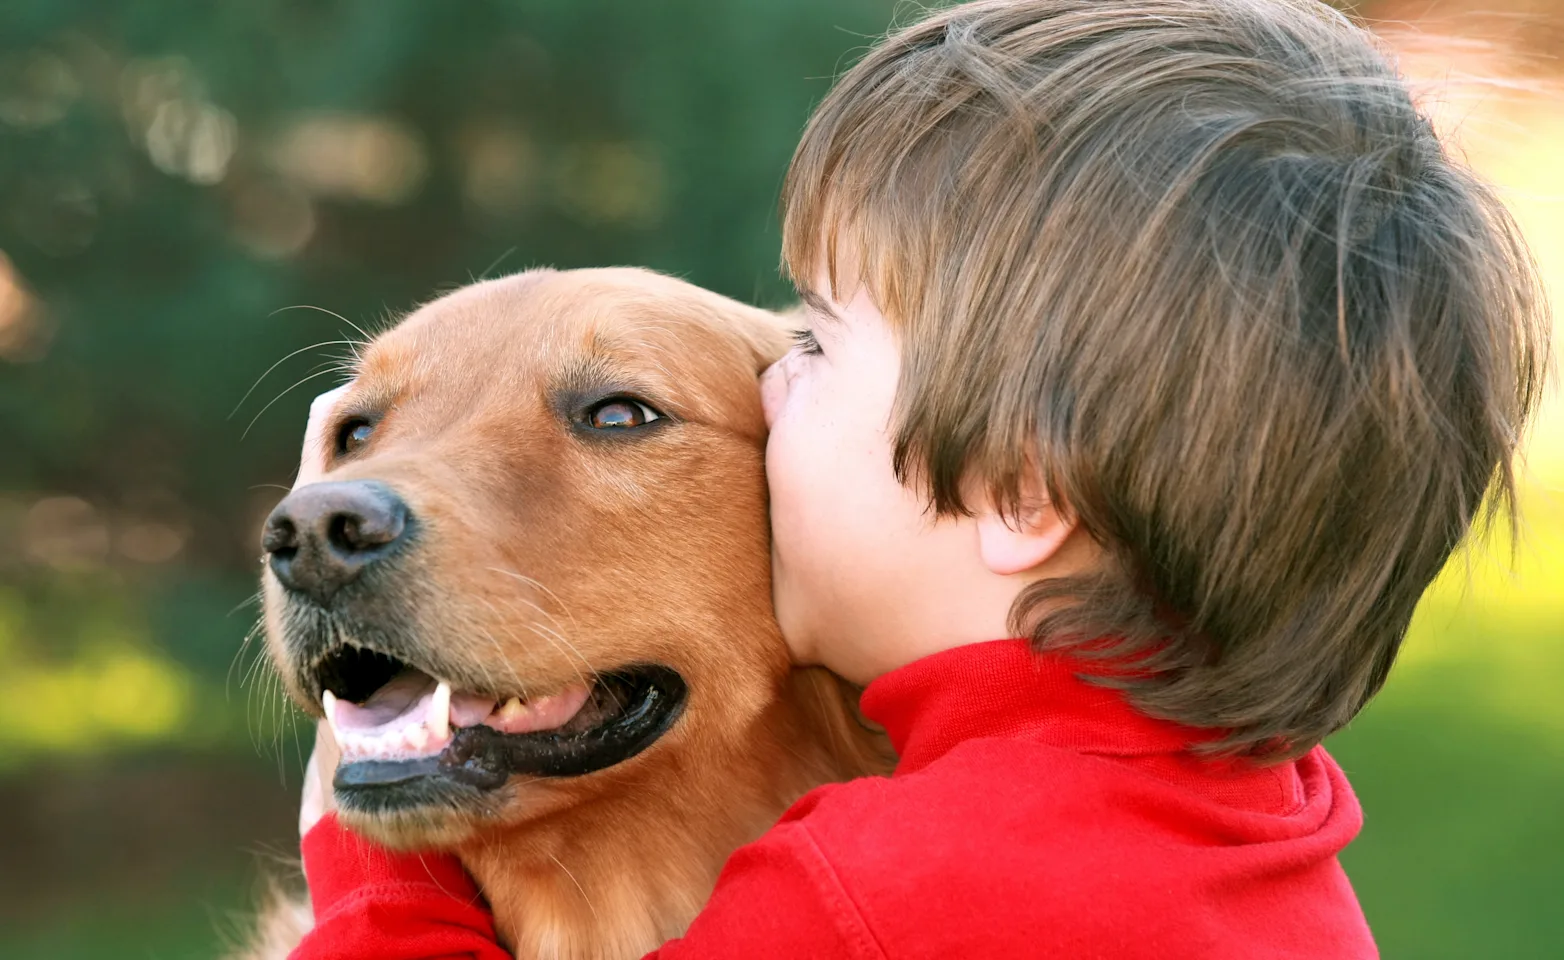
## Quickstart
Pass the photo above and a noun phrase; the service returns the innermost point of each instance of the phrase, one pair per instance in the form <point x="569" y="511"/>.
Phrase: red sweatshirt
<point x="1031" y="815"/>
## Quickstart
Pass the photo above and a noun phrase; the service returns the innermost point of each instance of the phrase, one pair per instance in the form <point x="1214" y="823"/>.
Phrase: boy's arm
<point x="777" y="897"/>
<point x="373" y="904"/>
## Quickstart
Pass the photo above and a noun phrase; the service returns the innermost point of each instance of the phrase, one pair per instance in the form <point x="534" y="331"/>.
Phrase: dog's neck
<point x="620" y="876"/>
<point x="615" y="886"/>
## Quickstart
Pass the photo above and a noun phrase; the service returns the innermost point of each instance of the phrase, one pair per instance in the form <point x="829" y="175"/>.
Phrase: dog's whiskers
<point x="244" y="647"/>
<point x="330" y="313"/>
<point x="554" y="631"/>
<point x="554" y="623"/>
<point x="539" y="585"/>
<point x="499" y="651"/>
<point x="558" y="642"/>
<point x="582" y="890"/>
<point x="491" y="679"/>
<point x="262" y="685"/>
<point x="497" y="261"/>
<point x="563" y="645"/>
<point x="284" y="359"/>
<point x="296" y="385"/>
<point x="555" y="635"/>
<point x="259" y="662"/>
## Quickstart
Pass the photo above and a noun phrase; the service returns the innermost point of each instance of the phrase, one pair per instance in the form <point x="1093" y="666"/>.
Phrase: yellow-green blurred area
<point x="174" y="175"/>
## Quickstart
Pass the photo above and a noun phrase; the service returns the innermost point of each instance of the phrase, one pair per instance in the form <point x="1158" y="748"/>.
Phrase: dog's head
<point x="528" y="550"/>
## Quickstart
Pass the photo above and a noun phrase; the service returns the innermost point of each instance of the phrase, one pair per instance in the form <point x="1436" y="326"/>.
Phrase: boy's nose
<point x="773" y="391"/>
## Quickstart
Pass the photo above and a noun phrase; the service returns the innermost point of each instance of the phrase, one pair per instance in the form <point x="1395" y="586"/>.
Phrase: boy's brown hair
<point x="1204" y="267"/>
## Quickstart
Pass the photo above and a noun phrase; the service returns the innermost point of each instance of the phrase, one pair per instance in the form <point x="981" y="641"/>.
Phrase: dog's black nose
<point x="321" y="537"/>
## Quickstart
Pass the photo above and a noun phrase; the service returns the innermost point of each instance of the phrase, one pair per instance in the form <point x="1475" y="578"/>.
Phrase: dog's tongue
<point x="406" y="698"/>
<point x="412" y="716"/>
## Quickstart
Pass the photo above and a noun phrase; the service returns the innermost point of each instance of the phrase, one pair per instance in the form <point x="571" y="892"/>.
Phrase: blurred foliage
<point x="192" y="192"/>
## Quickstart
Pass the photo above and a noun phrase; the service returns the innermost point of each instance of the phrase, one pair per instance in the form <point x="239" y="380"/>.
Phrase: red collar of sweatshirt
<point x="1032" y="815"/>
<point x="1004" y="690"/>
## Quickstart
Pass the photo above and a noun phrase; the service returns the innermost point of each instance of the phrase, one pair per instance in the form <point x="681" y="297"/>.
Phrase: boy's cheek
<point x="793" y="547"/>
<point x="799" y="648"/>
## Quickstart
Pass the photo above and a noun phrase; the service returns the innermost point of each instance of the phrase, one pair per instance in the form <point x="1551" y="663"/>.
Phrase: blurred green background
<point x="175" y="176"/>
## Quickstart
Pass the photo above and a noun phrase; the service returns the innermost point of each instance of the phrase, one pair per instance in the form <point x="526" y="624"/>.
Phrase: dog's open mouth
<point x="400" y="729"/>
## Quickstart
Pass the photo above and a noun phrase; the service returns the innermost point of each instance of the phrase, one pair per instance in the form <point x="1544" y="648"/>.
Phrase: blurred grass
<point x="194" y="920"/>
<point x="104" y="685"/>
<point x="1459" y="763"/>
<point x="1459" y="856"/>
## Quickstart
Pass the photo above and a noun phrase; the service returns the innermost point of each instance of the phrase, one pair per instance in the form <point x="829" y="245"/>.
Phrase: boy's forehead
<point x="849" y="306"/>
<point x="845" y="269"/>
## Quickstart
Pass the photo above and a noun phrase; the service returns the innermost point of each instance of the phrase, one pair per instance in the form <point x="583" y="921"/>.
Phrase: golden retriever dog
<point x="529" y="587"/>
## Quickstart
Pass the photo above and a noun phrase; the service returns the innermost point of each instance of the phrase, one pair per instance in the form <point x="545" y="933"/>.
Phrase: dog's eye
<point x="619" y="412"/>
<point x="353" y="436"/>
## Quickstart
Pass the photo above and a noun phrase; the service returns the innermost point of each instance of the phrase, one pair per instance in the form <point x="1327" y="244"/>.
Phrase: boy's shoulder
<point x="1004" y="844"/>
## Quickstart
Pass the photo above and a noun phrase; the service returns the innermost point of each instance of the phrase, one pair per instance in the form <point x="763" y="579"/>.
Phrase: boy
<point x="1164" y="335"/>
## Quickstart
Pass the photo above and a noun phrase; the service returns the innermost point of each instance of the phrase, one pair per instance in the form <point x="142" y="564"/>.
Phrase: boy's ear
<point x="1010" y="545"/>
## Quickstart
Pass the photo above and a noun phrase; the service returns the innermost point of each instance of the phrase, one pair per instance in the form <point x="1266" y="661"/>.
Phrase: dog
<point x="526" y="579"/>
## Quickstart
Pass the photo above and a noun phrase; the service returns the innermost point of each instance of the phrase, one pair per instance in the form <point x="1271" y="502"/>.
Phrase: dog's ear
<point x="768" y="334"/>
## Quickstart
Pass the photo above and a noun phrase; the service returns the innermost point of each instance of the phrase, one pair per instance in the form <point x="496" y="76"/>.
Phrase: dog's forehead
<point x="541" y="327"/>
<point x="547" y="312"/>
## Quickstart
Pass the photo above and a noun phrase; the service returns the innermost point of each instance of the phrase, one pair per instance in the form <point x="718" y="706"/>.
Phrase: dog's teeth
<point x="328" y="703"/>
<point x="511" y="710"/>
<point x="417" y="738"/>
<point x="440" y="712"/>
